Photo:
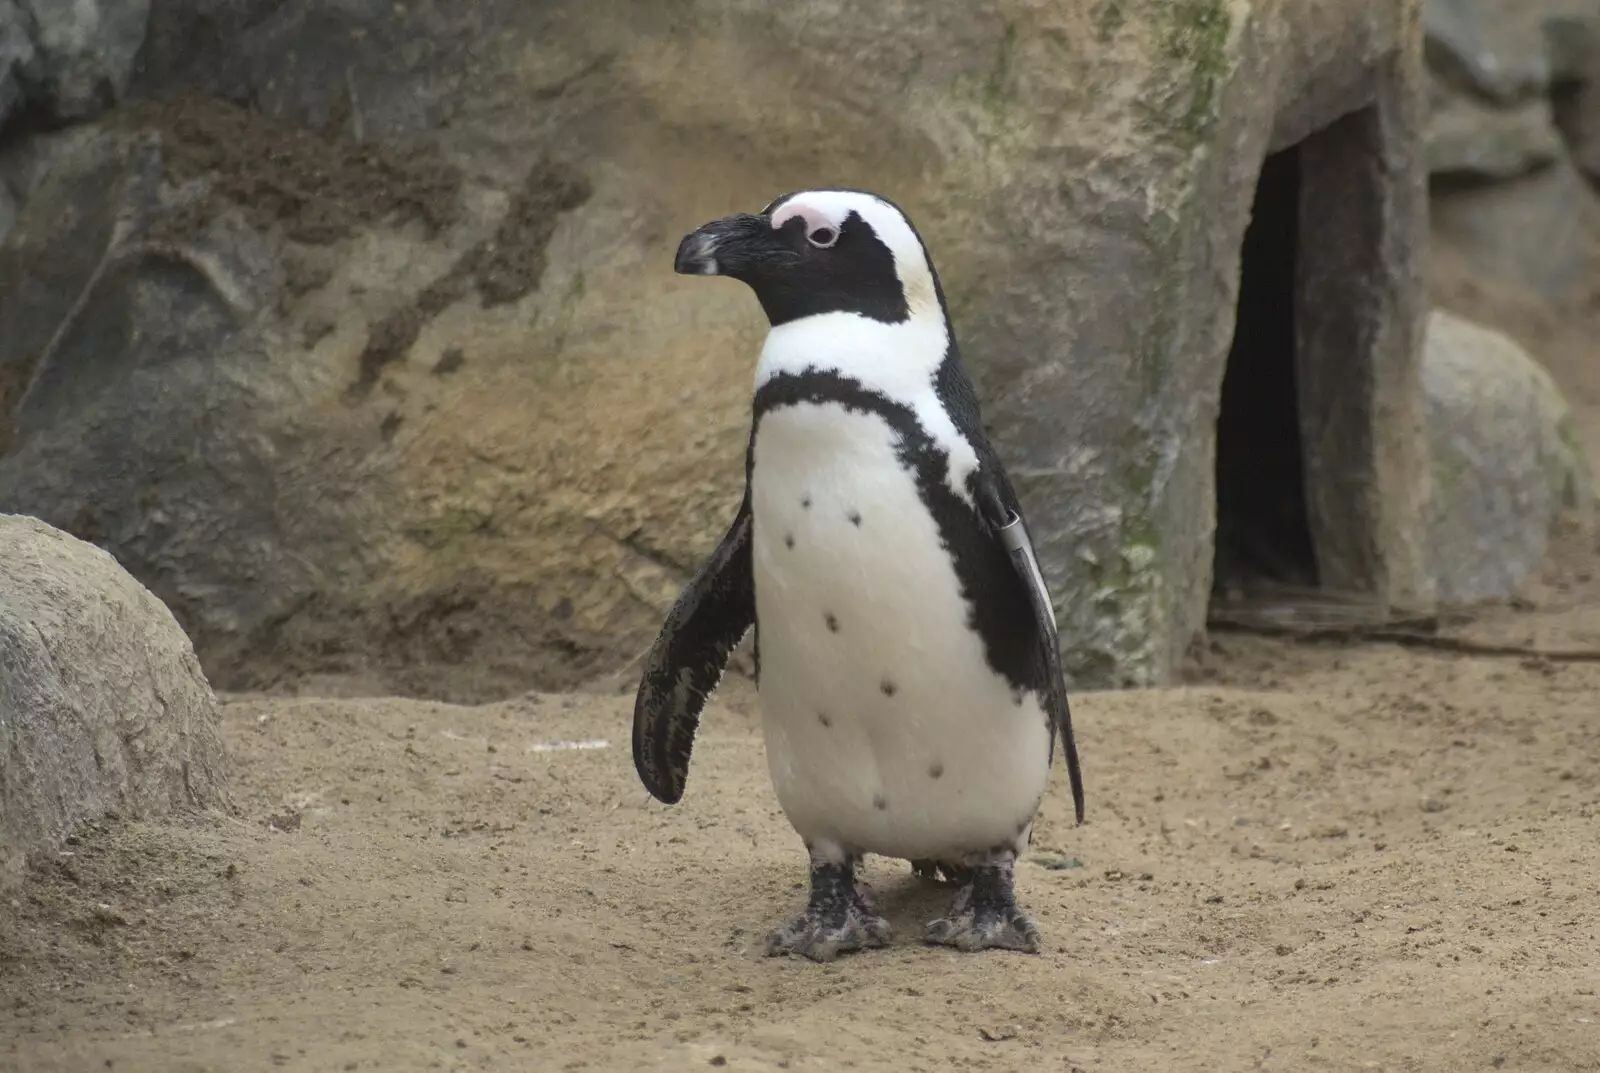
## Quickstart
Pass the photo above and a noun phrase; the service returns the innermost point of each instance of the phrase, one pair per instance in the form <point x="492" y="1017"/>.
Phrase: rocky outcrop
<point x="1507" y="462"/>
<point x="1497" y="49"/>
<point x="1511" y="132"/>
<point x="68" y="59"/>
<point x="1537" y="230"/>
<point x="1470" y="136"/>
<point x="16" y="50"/>
<point x="387" y="374"/>
<point x="103" y="705"/>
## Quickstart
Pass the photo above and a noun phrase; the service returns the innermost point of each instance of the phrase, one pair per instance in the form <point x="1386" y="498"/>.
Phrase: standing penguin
<point x="906" y="654"/>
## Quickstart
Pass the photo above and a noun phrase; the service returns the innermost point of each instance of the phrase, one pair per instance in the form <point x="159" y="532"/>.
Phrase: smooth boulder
<point x="1507" y="462"/>
<point x="103" y="705"/>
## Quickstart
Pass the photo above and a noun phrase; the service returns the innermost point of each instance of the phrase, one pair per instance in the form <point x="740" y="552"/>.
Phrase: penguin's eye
<point x="823" y="237"/>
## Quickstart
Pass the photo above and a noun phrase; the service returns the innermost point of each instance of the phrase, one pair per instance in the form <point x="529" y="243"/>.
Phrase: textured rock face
<point x="1514" y="96"/>
<point x="1506" y="460"/>
<point x="16" y="51"/>
<point x="84" y="52"/>
<point x="1497" y="48"/>
<point x="68" y="59"/>
<point x="8" y="211"/>
<point x="1537" y="230"/>
<point x="1469" y="136"/>
<point x="464" y="431"/>
<point x="102" y="703"/>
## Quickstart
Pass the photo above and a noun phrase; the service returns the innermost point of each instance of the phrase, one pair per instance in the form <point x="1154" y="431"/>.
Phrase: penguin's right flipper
<point x="712" y="614"/>
<point x="1012" y="532"/>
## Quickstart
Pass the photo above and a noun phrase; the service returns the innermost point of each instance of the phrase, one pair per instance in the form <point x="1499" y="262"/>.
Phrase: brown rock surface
<point x="388" y="378"/>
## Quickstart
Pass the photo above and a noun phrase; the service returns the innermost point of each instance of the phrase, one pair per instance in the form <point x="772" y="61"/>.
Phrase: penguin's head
<point x="821" y="251"/>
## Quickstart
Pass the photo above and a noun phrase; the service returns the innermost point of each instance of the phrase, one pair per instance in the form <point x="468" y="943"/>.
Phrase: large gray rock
<point x="84" y="53"/>
<point x="1536" y="231"/>
<point x="1507" y="460"/>
<point x="1510" y="50"/>
<point x="1496" y="47"/>
<point x="103" y="705"/>
<point x="1496" y="69"/>
<point x="1470" y="136"/>
<point x="1572" y="39"/>
<point x="1576" y="42"/>
<point x="8" y="210"/>
<point x="472" y="434"/>
<point x="16" y="53"/>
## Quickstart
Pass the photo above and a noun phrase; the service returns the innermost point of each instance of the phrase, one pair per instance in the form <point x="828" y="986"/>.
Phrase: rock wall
<point x="103" y="705"/>
<point x="351" y="331"/>
<point x="1514" y="99"/>
<point x="1512" y="139"/>
<point x="355" y="336"/>
<point x="67" y="59"/>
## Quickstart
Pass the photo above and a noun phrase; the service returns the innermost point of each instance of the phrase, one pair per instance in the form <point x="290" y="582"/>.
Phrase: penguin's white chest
<point x="886" y="729"/>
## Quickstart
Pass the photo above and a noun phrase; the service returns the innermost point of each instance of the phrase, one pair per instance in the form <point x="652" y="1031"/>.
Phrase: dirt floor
<point x="1369" y="859"/>
<point x="1314" y="856"/>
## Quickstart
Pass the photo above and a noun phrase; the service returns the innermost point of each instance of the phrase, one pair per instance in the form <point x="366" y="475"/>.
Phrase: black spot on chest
<point x="999" y="609"/>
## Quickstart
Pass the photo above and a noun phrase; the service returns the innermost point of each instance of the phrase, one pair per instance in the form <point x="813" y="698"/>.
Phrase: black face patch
<point x="794" y="279"/>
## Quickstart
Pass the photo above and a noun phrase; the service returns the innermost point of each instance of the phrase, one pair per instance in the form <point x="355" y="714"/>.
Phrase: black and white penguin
<point x="907" y="663"/>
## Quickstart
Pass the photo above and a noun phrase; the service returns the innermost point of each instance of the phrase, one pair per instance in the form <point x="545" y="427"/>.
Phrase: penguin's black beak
<point x="740" y="246"/>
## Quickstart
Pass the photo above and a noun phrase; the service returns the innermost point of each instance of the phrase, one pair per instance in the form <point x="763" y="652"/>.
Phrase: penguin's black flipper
<point x="1012" y="532"/>
<point x="712" y="614"/>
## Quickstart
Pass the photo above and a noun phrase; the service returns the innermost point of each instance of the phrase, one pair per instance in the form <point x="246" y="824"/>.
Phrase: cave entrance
<point x="1313" y="450"/>
<point x="1263" y="535"/>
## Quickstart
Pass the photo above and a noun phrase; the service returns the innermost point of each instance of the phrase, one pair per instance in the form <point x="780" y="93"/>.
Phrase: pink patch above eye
<point x="813" y="217"/>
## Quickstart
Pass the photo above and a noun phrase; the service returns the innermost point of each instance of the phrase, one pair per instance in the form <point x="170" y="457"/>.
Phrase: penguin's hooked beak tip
<point x="697" y="255"/>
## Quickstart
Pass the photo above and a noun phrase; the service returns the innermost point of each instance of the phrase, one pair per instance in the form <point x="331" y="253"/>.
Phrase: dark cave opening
<point x="1263" y="534"/>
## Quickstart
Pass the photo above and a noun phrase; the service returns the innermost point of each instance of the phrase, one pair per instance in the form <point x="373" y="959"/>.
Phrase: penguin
<point x="906" y="654"/>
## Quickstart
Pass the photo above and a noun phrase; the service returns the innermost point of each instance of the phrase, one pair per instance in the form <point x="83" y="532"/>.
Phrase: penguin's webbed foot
<point x="984" y="915"/>
<point x="838" y="918"/>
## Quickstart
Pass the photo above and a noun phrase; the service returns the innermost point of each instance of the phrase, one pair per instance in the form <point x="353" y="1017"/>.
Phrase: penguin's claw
<point x="824" y="936"/>
<point x="984" y="915"/>
<point x="1003" y="928"/>
<point x="838" y="917"/>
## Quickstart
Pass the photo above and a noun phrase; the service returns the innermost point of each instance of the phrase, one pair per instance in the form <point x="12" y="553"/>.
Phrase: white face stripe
<point x="830" y="208"/>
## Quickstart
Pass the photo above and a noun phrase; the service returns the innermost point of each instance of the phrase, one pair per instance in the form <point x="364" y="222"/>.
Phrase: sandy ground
<point x="1315" y="856"/>
<point x="1372" y="859"/>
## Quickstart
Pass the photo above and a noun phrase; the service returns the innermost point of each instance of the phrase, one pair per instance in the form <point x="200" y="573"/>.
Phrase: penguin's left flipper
<point x="712" y="614"/>
<point x="1012" y="532"/>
